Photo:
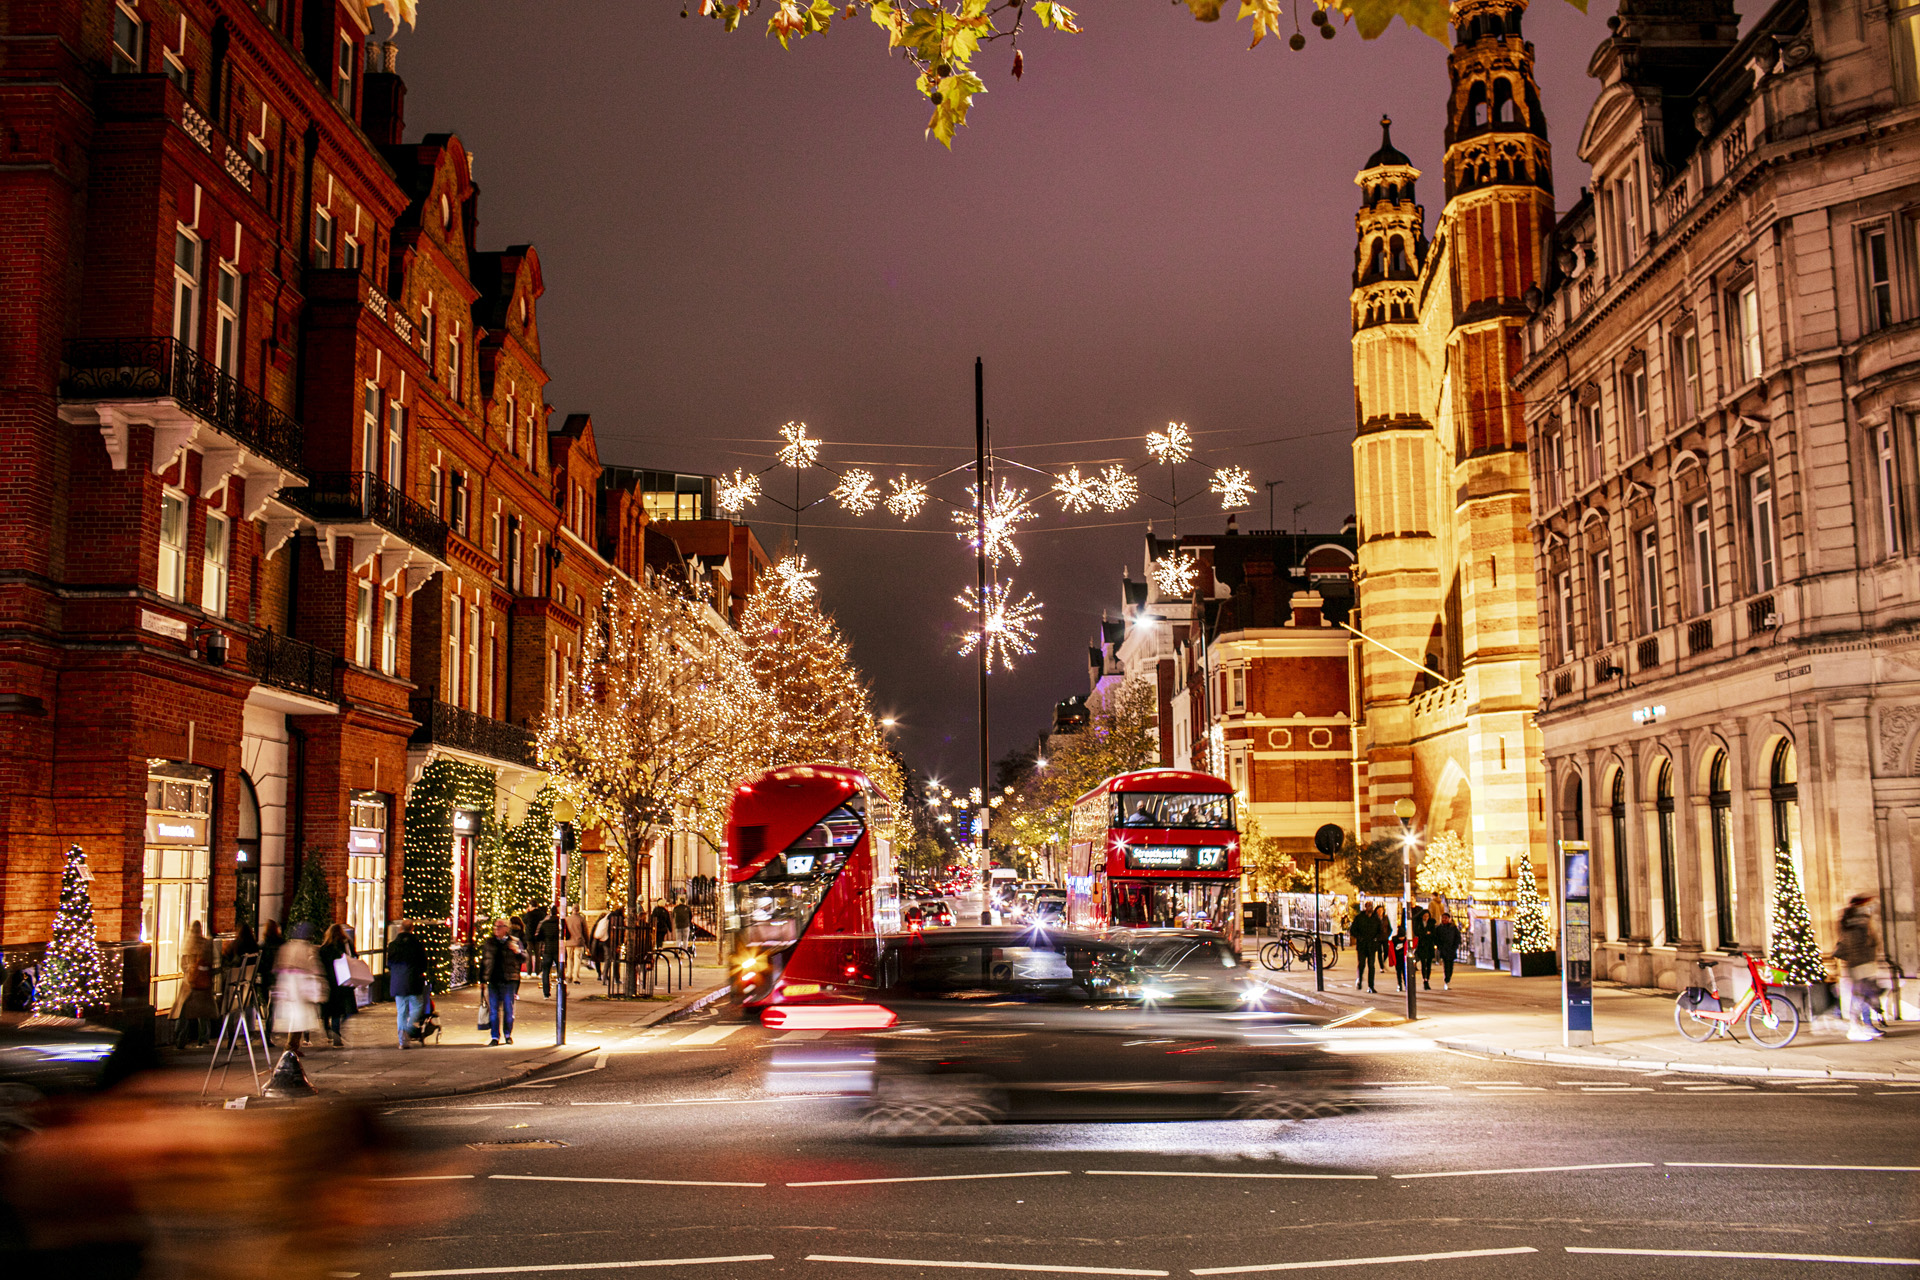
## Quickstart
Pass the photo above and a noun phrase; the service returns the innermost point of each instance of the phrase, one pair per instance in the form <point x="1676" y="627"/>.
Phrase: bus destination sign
<point x="1177" y="857"/>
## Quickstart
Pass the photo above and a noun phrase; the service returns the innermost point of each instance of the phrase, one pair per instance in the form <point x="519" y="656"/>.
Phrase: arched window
<point x="1477" y="113"/>
<point x="1575" y="825"/>
<point x="1669" y="885"/>
<point x="1503" y="108"/>
<point x="1785" y="793"/>
<point x="1400" y="265"/>
<point x="1377" y="261"/>
<point x="1720" y="813"/>
<point x="1623" y="917"/>
<point x="246" y="859"/>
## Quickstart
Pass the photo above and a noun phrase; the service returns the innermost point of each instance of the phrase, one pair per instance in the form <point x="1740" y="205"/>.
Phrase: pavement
<point x="1488" y="1011"/>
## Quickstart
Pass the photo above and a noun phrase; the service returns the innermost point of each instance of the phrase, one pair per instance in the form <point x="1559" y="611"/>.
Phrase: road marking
<point x="801" y="1035"/>
<point x="1414" y="1088"/>
<point x="1551" y="1168"/>
<point x="1511" y="1088"/>
<point x="586" y="1266"/>
<point x="638" y="1182"/>
<point x="1616" y="1088"/>
<point x="952" y="1177"/>
<point x="1765" y="1257"/>
<point x="706" y="1035"/>
<point x="603" y="1104"/>
<point x="1362" y="1262"/>
<point x="428" y="1177"/>
<point x="1715" y="1088"/>
<point x="1855" y="1168"/>
<point x="984" y="1266"/>
<point x="584" y="1071"/>
<point x="1181" y="1173"/>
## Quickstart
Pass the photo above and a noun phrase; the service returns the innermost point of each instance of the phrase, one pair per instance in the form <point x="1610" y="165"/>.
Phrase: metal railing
<point x="148" y="368"/>
<point x="451" y="726"/>
<point x="1650" y="653"/>
<point x="286" y="663"/>
<point x="1761" y="615"/>
<point x="1699" y="636"/>
<point x="342" y="497"/>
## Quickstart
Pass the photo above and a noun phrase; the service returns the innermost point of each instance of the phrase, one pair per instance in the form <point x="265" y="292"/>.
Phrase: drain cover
<point x="516" y="1144"/>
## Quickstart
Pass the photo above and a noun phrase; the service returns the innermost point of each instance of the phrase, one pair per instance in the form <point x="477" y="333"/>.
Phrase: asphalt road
<point x="676" y="1162"/>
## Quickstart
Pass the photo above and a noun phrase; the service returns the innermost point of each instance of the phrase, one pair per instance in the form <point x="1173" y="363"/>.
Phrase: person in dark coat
<point x="407" y="979"/>
<point x="546" y="950"/>
<point x="1442" y="940"/>
<point x="662" y="924"/>
<point x="1365" y="932"/>
<point x="339" y="1004"/>
<point x="682" y="920"/>
<point x="501" y="959"/>
<point x="270" y="941"/>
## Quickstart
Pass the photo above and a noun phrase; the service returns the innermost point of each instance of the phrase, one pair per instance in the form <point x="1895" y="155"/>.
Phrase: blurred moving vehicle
<point x="936" y="913"/>
<point x="43" y="1058"/>
<point x="1048" y="909"/>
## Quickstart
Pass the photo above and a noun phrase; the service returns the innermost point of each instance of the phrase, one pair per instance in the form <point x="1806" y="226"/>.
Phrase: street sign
<point x="1576" y="942"/>
<point x="1328" y="839"/>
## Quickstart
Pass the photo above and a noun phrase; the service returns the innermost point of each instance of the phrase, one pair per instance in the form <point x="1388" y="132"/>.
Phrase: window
<point x="1766" y="556"/>
<point x="322" y="239"/>
<point x="213" y="571"/>
<point x="1593" y="439"/>
<point x="1700" y="528"/>
<point x="433" y="489"/>
<point x="363" y="623"/>
<point x="175" y="70"/>
<point x="513" y="423"/>
<point x="343" y="74"/>
<point x="456" y="647"/>
<point x="127" y="41"/>
<point x="514" y="537"/>
<point x="1603" y="597"/>
<point x="1905" y="30"/>
<point x="370" y="429"/>
<point x="1892" y="523"/>
<point x="1877" y="273"/>
<point x="1720" y="815"/>
<point x="257" y="154"/>
<point x="186" y="287"/>
<point x="473" y="657"/>
<point x="457" y="512"/>
<point x="396" y="444"/>
<point x="1557" y="467"/>
<point x="1743" y="328"/>
<point x="1686" y="374"/>
<point x="454" y="383"/>
<point x="493" y="533"/>
<point x="350" y="253"/>
<point x="1563" y="588"/>
<point x="1649" y="557"/>
<point x="1239" y="688"/>
<point x="226" y="336"/>
<point x="426" y="332"/>
<point x="1669" y="878"/>
<point x="389" y="633"/>
<point x="1622" y="912"/>
<point x="1784" y="792"/>
<point x="1633" y="396"/>
<point x="172" y="580"/>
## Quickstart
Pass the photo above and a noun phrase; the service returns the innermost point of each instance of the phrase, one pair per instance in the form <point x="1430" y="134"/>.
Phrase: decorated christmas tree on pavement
<point x="74" y="976"/>
<point x="1791" y="948"/>
<point x="1532" y="926"/>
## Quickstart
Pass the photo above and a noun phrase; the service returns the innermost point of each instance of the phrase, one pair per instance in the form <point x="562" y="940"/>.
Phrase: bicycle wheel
<point x="1773" y="1023"/>
<point x="1327" y="953"/>
<point x="1692" y="1028"/>
<point x="1274" y="955"/>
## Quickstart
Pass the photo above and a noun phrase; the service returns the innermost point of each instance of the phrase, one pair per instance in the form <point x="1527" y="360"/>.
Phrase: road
<point x="676" y="1163"/>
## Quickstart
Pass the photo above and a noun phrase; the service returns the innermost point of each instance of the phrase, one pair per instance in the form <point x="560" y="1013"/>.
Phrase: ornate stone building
<point x="1445" y="578"/>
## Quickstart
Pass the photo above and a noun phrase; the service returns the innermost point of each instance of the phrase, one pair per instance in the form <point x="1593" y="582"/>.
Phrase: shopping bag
<point x="359" y="973"/>
<point x="342" y="971"/>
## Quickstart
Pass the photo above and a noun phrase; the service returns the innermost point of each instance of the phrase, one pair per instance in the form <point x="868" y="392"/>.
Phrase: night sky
<point x="1154" y="224"/>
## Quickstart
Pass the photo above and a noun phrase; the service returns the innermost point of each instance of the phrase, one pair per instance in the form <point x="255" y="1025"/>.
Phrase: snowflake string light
<point x="794" y="578"/>
<point x="735" y="493"/>
<point x="1007" y="508"/>
<point x="905" y="497"/>
<point x="1174" y="574"/>
<point x="1235" y="487"/>
<point x="1007" y="628"/>
<point x="1116" y="488"/>
<point x="858" y="492"/>
<point x="800" y="450"/>
<point x="1172" y="445"/>
<point x="1076" y="494"/>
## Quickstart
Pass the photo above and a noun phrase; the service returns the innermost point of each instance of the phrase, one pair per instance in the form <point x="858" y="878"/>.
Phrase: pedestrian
<point x="270" y="941"/>
<point x="335" y="972"/>
<point x="682" y="920"/>
<point x="194" y="1009"/>
<point x="662" y="924"/>
<point x="501" y="958"/>
<point x="1858" y="950"/>
<point x="297" y="987"/>
<point x="546" y="941"/>
<point x="517" y="926"/>
<point x="407" y="979"/>
<point x="532" y="919"/>
<point x="573" y="943"/>
<point x="1443" y="941"/>
<point x="1365" y="932"/>
<point x="602" y="930"/>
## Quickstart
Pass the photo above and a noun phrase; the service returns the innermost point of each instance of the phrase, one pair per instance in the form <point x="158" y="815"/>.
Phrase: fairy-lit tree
<point x="1446" y="868"/>
<point x="1120" y="736"/>
<point x="1792" y="949"/>
<point x="1532" y="922"/>
<point x="73" y="977"/>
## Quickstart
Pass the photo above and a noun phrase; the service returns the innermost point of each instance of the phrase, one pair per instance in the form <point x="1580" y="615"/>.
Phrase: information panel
<point x="1576" y="942"/>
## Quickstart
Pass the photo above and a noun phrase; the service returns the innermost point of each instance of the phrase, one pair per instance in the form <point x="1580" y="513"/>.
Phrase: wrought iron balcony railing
<point x="295" y="665"/>
<point x="149" y="368"/>
<point x="451" y="726"/>
<point x="353" y="497"/>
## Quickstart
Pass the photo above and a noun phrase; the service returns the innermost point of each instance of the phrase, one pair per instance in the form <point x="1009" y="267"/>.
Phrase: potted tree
<point x="1532" y="955"/>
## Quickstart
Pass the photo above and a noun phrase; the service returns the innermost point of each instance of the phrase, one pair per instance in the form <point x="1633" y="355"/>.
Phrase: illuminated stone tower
<point x="1440" y="459"/>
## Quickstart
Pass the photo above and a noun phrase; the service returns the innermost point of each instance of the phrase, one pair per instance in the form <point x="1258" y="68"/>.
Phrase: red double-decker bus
<point x="1157" y="849"/>
<point x="809" y="883"/>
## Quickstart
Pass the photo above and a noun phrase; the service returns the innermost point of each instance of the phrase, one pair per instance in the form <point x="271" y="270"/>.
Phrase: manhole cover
<point x="516" y="1144"/>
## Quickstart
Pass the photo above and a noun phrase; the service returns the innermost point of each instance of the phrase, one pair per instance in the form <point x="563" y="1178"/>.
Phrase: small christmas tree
<point x="1791" y="948"/>
<point x="311" y="902"/>
<point x="1532" y="927"/>
<point x="74" y="976"/>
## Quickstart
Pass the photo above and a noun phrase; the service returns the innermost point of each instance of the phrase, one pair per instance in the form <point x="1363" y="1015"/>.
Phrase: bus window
<point x="1172" y="809"/>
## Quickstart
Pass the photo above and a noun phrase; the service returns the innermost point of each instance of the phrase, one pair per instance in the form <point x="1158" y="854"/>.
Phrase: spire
<point x="1387" y="154"/>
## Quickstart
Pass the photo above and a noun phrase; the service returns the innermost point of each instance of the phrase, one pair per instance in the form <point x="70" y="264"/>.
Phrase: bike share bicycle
<point x="1772" y="1019"/>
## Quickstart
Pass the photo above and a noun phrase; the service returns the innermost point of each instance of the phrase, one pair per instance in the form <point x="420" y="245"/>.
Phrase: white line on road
<point x="586" y="1266"/>
<point x="1182" y="1173"/>
<point x="498" y="1106"/>
<point x="1551" y="1168"/>
<point x="639" y="1182"/>
<point x="428" y="1177"/>
<point x="1616" y="1088"/>
<point x="984" y="1266"/>
<point x="706" y="1035"/>
<point x="1511" y="1088"/>
<point x="1856" y="1168"/>
<point x="802" y="1035"/>
<point x="1715" y="1088"/>
<point x="1765" y="1257"/>
<point x="943" y="1177"/>
<point x="1362" y="1262"/>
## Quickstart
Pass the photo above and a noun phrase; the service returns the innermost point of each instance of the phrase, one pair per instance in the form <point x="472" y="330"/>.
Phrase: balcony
<point x="469" y="731"/>
<point x="1649" y="653"/>
<point x="1700" y="636"/>
<point x="293" y="665"/>
<point x="374" y="519"/>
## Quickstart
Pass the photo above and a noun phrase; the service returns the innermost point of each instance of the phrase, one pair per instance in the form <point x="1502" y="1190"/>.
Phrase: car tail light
<point x="829" y="1017"/>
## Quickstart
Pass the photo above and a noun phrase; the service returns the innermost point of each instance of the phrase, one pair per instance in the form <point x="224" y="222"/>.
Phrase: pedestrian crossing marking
<point x="706" y="1035"/>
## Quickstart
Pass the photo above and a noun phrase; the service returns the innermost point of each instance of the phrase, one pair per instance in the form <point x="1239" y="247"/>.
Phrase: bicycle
<point x="1291" y="946"/>
<point x="1772" y="1020"/>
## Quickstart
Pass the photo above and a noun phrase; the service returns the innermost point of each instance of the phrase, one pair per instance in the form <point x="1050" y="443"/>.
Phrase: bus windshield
<point x="1185" y="809"/>
<point x="775" y="906"/>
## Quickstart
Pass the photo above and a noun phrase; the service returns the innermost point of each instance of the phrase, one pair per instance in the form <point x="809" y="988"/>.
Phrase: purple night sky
<point x="1154" y="224"/>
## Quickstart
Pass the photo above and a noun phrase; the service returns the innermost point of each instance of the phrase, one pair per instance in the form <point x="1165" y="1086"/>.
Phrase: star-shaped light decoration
<point x="1116" y="488"/>
<point x="794" y="578"/>
<point x="1076" y="494"/>
<point x="905" y="497"/>
<point x="1172" y="445"/>
<point x="1007" y="509"/>
<point x="800" y="449"/>
<point x="1006" y="630"/>
<point x="1235" y="487"/>
<point x="735" y="493"/>
<point x="1174" y="574"/>
<point x="858" y="492"/>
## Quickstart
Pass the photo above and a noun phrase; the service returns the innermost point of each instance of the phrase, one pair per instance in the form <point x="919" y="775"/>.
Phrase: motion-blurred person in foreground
<point x="297" y="986"/>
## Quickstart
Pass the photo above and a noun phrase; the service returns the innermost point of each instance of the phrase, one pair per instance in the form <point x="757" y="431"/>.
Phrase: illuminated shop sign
<point x="173" y="830"/>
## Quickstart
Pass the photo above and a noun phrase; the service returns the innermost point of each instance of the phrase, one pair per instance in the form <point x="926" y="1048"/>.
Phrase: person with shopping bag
<point x="1858" y="950"/>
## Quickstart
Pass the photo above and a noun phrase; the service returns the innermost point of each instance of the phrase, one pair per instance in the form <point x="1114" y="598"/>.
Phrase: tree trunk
<point x="629" y="959"/>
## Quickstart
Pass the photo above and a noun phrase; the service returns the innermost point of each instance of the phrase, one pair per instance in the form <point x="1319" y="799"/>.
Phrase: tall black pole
<point x="980" y="569"/>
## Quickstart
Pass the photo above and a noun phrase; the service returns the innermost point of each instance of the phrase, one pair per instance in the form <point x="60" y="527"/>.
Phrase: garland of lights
<point x="73" y="976"/>
<point x="1791" y="947"/>
<point x="426" y="844"/>
<point x="1532" y="927"/>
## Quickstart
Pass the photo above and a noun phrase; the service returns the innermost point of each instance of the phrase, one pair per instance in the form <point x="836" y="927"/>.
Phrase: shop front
<point x="467" y="826"/>
<point x="176" y="867"/>
<point x="367" y="875"/>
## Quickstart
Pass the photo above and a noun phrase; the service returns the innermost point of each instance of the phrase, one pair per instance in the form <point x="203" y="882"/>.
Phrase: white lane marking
<point x="1616" y="1088"/>
<point x="1729" y="1164"/>
<point x="584" y="1071"/>
<point x="800" y="1035"/>
<point x="638" y="1182"/>
<point x="1765" y="1257"/>
<point x="1362" y="1262"/>
<point x="1511" y="1088"/>
<point x="586" y="1266"/>
<point x="497" y="1106"/>
<point x="942" y="1177"/>
<point x="1715" y="1088"/>
<point x="602" y="1104"/>
<point x="1414" y="1088"/>
<point x="1490" y="1082"/>
<point x="706" y="1035"/>
<point x="1181" y="1173"/>
<point x="983" y="1266"/>
<point x="1551" y="1168"/>
<point x="428" y="1177"/>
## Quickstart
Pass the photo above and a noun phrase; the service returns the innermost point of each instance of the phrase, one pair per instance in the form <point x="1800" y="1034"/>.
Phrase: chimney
<point x="383" y="96"/>
<point x="1233" y="526"/>
<point x="1306" y="609"/>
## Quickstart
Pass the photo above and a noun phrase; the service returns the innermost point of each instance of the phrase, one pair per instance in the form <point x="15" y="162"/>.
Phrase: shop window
<point x="129" y="39"/>
<point x="367" y="836"/>
<point x="172" y="578"/>
<point x="173" y="892"/>
<point x="216" y="564"/>
<point x="1720" y="821"/>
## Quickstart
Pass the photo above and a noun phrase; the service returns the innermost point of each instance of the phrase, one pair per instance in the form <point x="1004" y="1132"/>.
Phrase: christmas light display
<point x="1007" y="509"/>
<point x="1235" y="487"/>
<point x="427" y="852"/>
<point x="1076" y="494"/>
<point x="1173" y="575"/>
<point x="1117" y="488"/>
<point x="73" y="977"/>
<point x="735" y="493"/>
<point x="1007" y="626"/>
<point x="1791" y="947"/>
<point x="800" y="449"/>
<point x="1175" y="444"/>
<point x="793" y="578"/>
<point x="905" y="497"/>
<point x="857" y="492"/>
<point x="1532" y="926"/>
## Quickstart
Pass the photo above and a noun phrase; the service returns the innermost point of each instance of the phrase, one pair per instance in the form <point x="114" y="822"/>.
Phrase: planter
<point x="1533" y="964"/>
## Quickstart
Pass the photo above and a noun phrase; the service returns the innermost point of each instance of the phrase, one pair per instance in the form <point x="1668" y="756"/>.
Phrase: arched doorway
<point x="246" y="860"/>
<point x="1669" y="859"/>
<point x="1720" y="821"/>
<point x="1622" y="914"/>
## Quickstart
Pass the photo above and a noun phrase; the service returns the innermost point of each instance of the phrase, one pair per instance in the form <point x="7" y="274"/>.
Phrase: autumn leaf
<point x="950" y="112"/>
<point x="1371" y="17"/>
<point x="1057" y="16"/>
<point x="1266" y="18"/>
<point x="786" y="21"/>
<point x="1206" y="10"/>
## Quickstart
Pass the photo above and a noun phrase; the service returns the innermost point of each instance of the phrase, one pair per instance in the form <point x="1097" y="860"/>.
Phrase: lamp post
<point x="563" y="816"/>
<point x="1404" y="810"/>
<point x="1327" y="841"/>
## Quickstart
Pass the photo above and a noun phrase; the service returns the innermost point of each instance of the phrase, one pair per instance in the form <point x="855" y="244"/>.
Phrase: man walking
<point x="1442" y="940"/>
<point x="682" y="920"/>
<point x="574" y="943"/>
<point x="546" y="950"/>
<point x="407" y="978"/>
<point x="1859" y="950"/>
<point x="501" y="959"/>
<point x="1365" y="934"/>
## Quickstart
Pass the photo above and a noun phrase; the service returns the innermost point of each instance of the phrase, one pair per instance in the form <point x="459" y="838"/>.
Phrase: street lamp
<point x="564" y="813"/>
<point x="1404" y="810"/>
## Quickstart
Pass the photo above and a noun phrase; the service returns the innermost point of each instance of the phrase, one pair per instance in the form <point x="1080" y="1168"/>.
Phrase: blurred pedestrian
<point x="270" y="941"/>
<point x="1365" y="932"/>
<point x="1442" y="940"/>
<point x="501" y="959"/>
<point x="546" y="944"/>
<point x="297" y="986"/>
<point x="662" y="924"/>
<point x="1858" y="949"/>
<point x="573" y="943"/>
<point x="335" y="973"/>
<point x="194" y="1009"/>
<point x="602" y="934"/>
<point x="407" y="979"/>
<point x="682" y="920"/>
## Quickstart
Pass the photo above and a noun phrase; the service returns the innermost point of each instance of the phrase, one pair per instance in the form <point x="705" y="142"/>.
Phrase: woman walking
<point x="339" y="1003"/>
<point x="194" y="1009"/>
<point x="297" y="987"/>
